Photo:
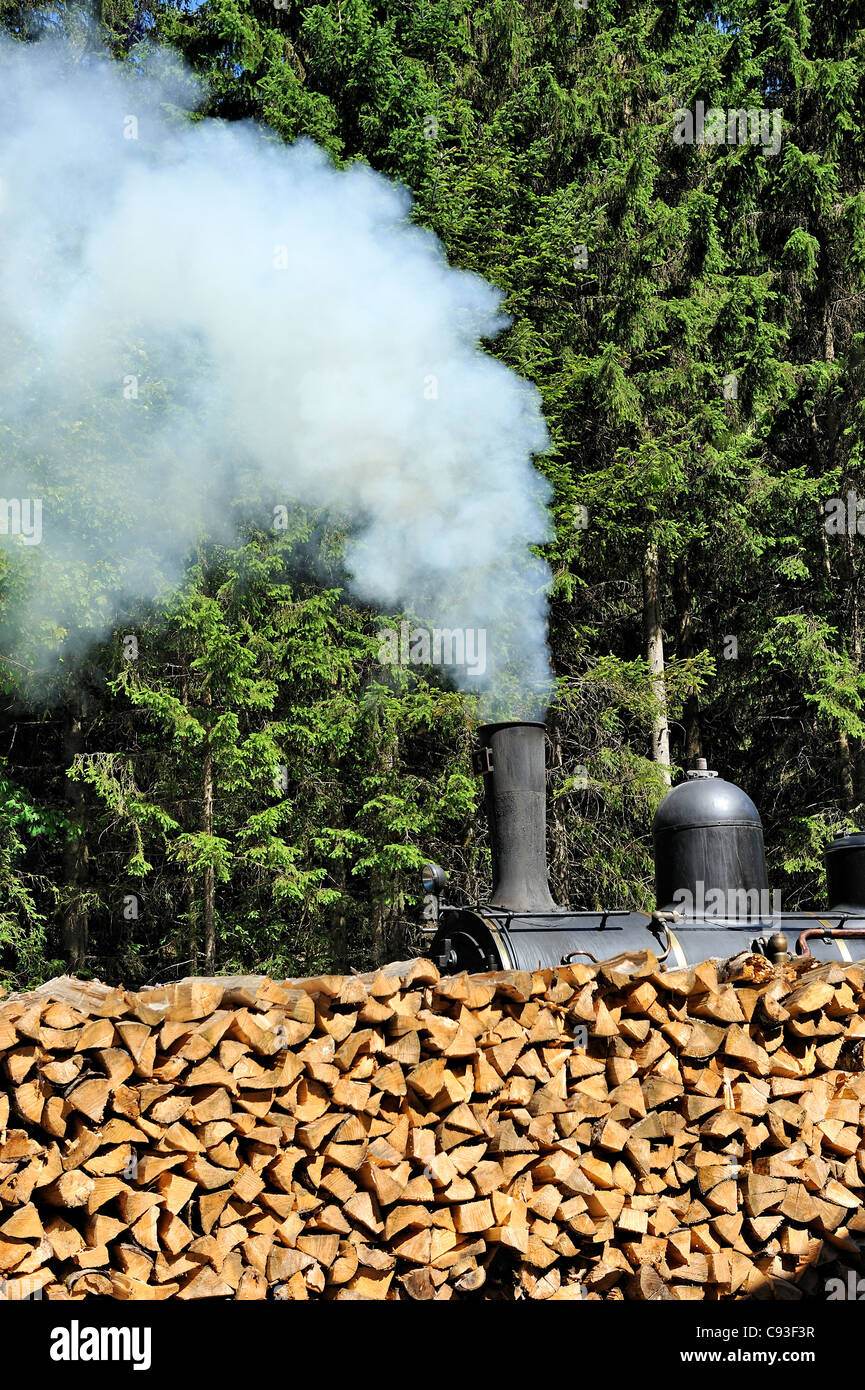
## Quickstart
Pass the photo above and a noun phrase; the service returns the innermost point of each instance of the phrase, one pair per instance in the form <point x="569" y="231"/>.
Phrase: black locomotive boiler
<point x="711" y="884"/>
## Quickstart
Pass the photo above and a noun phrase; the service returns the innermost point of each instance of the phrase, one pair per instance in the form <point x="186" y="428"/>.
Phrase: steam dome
<point x="708" y="842"/>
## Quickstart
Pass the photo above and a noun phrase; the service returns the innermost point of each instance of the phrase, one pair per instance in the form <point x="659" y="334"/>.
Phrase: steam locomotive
<point x="711" y="883"/>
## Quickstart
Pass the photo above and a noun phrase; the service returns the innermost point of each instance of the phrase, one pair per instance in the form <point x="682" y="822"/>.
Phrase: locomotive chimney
<point x="511" y="760"/>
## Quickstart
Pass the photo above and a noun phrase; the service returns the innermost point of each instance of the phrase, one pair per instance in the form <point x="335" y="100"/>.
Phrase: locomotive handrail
<point x="509" y="913"/>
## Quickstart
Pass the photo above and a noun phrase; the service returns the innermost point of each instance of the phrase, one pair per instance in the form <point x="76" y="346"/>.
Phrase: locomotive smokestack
<point x="511" y="760"/>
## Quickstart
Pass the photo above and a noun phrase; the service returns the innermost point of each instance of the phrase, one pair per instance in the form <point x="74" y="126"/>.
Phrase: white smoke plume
<point x="192" y="313"/>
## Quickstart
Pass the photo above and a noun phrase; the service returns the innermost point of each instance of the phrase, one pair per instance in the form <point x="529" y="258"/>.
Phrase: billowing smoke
<point x="195" y="317"/>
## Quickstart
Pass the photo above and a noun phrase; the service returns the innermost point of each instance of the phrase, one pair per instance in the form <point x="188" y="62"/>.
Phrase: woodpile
<point x="612" y="1131"/>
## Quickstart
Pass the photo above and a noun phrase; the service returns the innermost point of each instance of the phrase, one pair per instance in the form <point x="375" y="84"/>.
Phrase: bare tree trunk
<point x="692" y="741"/>
<point x="655" y="657"/>
<point x="851" y="753"/>
<point x="384" y="916"/>
<point x="75" y="851"/>
<point x="384" y="909"/>
<point x="339" y="929"/>
<point x="848" y="793"/>
<point x="188" y="889"/>
<point x="851" y="749"/>
<point x="209" y="873"/>
<point x="339" y="921"/>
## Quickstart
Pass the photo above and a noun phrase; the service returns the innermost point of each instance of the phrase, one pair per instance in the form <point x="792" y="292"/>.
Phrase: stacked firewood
<point x="611" y="1131"/>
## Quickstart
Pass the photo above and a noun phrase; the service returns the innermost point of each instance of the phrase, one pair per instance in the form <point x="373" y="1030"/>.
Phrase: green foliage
<point x="23" y="927"/>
